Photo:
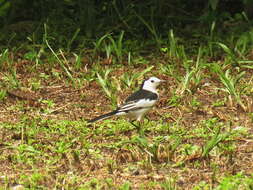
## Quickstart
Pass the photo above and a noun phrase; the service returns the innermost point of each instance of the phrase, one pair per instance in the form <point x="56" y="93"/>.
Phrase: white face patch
<point x="151" y="84"/>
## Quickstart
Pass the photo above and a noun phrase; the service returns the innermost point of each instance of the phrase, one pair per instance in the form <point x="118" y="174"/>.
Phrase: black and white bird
<point x="137" y="104"/>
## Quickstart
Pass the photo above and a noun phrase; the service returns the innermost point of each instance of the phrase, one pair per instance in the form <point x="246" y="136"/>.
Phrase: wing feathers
<point x="136" y="105"/>
<point x="103" y="116"/>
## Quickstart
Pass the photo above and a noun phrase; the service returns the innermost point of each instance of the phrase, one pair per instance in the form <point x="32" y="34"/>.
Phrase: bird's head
<point x="151" y="84"/>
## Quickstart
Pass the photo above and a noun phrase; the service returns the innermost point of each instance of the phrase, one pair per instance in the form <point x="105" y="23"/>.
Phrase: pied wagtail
<point x="137" y="104"/>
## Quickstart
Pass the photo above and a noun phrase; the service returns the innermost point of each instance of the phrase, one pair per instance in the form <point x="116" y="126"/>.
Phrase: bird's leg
<point x="138" y="127"/>
<point x="135" y="125"/>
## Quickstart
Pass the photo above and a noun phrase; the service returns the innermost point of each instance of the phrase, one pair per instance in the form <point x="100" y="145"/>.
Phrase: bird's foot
<point x="138" y="128"/>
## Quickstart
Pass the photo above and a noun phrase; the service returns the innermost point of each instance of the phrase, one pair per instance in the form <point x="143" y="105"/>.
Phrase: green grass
<point x="61" y="153"/>
<point x="198" y="137"/>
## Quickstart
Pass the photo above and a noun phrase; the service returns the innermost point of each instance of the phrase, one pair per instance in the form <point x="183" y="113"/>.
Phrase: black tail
<point x="103" y="116"/>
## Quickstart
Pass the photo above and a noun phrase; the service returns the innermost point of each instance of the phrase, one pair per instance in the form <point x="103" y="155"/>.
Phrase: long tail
<point x="103" y="116"/>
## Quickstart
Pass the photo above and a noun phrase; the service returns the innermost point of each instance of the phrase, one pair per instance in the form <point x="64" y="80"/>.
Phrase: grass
<point x="198" y="137"/>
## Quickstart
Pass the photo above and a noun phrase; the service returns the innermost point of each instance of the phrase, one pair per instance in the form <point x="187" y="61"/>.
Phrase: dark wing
<point x="141" y="94"/>
<point x="138" y="100"/>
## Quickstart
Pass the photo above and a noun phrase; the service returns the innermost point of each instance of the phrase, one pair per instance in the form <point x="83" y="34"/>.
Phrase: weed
<point x="195" y="103"/>
<point x="125" y="186"/>
<point x="211" y="39"/>
<point x="49" y="106"/>
<point x="62" y="63"/>
<point x="191" y="149"/>
<point x="108" y="51"/>
<point x="129" y="79"/>
<point x="202" y="186"/>
<point x="169" y="69"/>
<point x="70" y="42"/>
<point x="169" y="184"/>
<point x="111" y="46"/>
<point x="78" y="62"/>
<point x="214" y="141"/>
<point x="219" y="103"/>
<point x="107" y="85"/>
<point x="34" y="54"/>
<point x="32" y="180"/>
<point x="230" y="83"/>
<point x="231" y="55"/>
<point x="4" y="59"/>
<point x="244" y="41"/>
<point x="238" y="181"/>
<point x="118" y="46"/>
<point x="35" y="84"/>
<point x="193" y="76"/>
<point x="2" y="95"/>
<point x="12" y="80"/>
<point x="173" y="49"/>
<point x="98" y="44"/>
<point x="151" y="27"/>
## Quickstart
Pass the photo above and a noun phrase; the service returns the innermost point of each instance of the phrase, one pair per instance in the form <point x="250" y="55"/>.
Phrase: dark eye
<point x="152" y="81"/>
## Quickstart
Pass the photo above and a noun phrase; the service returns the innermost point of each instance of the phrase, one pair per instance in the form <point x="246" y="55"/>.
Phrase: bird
<point x="137" y="104"/>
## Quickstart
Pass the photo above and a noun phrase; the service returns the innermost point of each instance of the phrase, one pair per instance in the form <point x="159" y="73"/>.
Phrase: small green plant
<point x="190" y="149"/>
<point x="11" y="79"/>
<point x="170" y="70"/>
<point x="35" y="84"/>
<point x="35" y="51"/>
<point x="4" y="59"/>
<point x="98" y="45"/>
<point x="174" y="100"/>
<point x="238" y="181"/>
<point x="62" y="147"/>
<point x="230" y="53"/>
<point x="219" y="103"/>
<point x="63" y="63"/>
<point x="193" y="76"/>
<point x="70" y="42"/>
<point x="169" y="184"/>
<point x="202" y="186"/>
<point x="49" y="105"/>
<point x="186" y="82"/>
<point x="211" y="39"/>
<point x="243" y="43"/>
<point x="214" y="141"/>
<point x="110" y="46"/>
<point x="151" y="27"/>
<point x="173" y="47"/>
<point x="128" y="79"/>
<point x="108" y="86"/>
<point x="108" y="50"/>
<point x="2" y="94"/>
<point x="117" y="46"/>
<point x="32" y="56"/>
<point x="195" y="103"/>
<point x="125" y="186"/>
<point x="230" y="83"/>
<point x="78" y="61"/>
<point x="237" y="54"/>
